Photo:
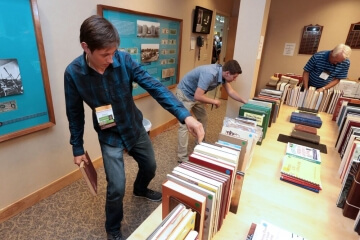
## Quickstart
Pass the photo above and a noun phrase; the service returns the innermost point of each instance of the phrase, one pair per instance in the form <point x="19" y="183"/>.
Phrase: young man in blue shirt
<point x="192" y="89"/>
<point x="103" y="77"/>
<point x="325" y="68"/>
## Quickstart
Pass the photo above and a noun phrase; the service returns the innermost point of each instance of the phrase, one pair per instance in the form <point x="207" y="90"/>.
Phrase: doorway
<point x="221" y="27"/>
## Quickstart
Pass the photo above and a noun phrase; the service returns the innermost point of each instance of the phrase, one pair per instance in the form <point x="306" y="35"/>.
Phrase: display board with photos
<point x="25" y="96"/>
<point x="153" y="41"/>
<point x="353" y="38"/>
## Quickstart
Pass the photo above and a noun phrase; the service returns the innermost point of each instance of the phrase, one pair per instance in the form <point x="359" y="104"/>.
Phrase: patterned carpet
<point x="73" y="213"/>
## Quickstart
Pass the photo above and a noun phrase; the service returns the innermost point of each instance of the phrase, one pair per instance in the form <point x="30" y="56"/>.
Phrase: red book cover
<point x="339" y="103"/>
<point x="90" y="175"/>
<point x="300" y="181"/>
<point x="346" y="129"/>
<point x="338" y="106"/>
<point x="352" y="204"/>
<point x="304" y="128"/>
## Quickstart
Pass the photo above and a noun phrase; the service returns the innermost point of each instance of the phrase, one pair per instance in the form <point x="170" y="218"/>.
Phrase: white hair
<point x="343" y="49"/>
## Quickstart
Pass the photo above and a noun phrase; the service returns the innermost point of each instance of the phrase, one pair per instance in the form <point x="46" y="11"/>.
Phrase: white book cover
<point x="308" y="153"/>
<point x="319" y="100"/>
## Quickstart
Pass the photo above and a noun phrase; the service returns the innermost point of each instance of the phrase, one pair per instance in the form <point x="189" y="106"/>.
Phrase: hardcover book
<point x="302" y="169"/>
<point x="346" y="184"/>
<point x="260" y="113"/>
<point x="226" y="168"/>
<point x="352" y="203"/>
<point x="304" y="128"/>
<point x="215" y="176"/>
<point x="210" y="202"/>
<point x="243" y="143"/>
<point x="209" y="183"/>
<point x="89" y="174"/>
<point x="184" y="227"/>
<point x="300" y="185"/>
<point x="189" y="198"/>
<point x="168" y="223"/>
<point x="309" y="137"/>
<point x="235" y="197"/>
<point x="306" y="119"/>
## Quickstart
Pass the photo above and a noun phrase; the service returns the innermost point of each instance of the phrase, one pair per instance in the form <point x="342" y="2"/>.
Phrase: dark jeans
<point x="113" y="159"/>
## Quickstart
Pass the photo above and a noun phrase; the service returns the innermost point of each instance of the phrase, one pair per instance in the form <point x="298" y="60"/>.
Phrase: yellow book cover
<point x="302" y="169"/>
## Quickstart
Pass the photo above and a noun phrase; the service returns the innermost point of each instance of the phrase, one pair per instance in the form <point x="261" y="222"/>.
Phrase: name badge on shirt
<point x="105" y="116"/>
<point x="324" y="75"/>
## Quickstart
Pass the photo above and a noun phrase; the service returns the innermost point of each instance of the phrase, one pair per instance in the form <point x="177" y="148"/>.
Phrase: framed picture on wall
<point x="202" y="20"/>
<point x="25" y="96"/>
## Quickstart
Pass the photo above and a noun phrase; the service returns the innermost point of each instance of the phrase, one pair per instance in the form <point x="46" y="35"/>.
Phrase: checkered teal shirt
<point x="114" y="87"/>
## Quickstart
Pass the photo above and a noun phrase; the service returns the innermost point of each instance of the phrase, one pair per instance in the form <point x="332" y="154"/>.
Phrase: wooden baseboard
<point x="154" y="132"/>
<point x="59" y="184"/>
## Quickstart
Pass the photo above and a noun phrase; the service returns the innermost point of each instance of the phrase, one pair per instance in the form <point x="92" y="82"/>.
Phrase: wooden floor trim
<point x="59" y="184"/>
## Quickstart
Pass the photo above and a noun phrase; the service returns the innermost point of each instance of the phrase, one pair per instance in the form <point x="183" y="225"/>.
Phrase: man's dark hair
<point x="232" y="66"/>
<point x="98" y="33"/>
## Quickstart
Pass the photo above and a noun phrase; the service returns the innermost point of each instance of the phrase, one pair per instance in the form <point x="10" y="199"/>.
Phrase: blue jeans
<point x="113" y="159"/>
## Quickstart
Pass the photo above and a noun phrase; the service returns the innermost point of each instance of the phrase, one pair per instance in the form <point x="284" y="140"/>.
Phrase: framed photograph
<point x="156" y="39"/>
<point x="202" y="20"/>
<point x="25" y="96"/>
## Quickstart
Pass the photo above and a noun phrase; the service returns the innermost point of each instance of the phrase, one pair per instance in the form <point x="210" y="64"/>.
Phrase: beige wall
<point x="34" y="161"/>
<point x="285" y="25"/>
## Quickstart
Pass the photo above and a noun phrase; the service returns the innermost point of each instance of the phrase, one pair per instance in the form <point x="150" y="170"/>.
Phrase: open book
<point x="90" y="175"/>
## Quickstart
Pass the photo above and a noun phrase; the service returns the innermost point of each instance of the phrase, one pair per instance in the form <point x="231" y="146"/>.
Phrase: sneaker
<point x="116" y="236"/>
<point x="150" y="195"/>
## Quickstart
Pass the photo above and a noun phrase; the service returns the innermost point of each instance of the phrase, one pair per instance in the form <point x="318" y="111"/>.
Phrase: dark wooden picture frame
<point x="310" y="39"/>
<point x="353" y="38"/>
<point x="33" y="110"/>
<point x="202" y="20"/>
<point x="140" y="32"/>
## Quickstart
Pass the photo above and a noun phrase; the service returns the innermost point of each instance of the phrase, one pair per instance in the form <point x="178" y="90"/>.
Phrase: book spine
<point x="299" y="185"/>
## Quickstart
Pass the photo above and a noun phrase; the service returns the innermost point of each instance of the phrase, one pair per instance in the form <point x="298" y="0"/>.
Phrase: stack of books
<point x="307" y="119"/>
<point x="209" y="185"/>
<point x="276" y="103"/>
<point x="302" y="167"/>
<point x="266" y="230"/>
<point x="271" y="93"/>
<point x="273" y="81"/>
<point x="260" y="112"/>
<point x="245" y="130"/>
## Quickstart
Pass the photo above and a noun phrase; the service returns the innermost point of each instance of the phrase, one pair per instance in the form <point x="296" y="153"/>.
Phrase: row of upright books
<point x="264" y="109"/>
<point x="347" y="118"/>
<point x="207" y="187"/>
<point x="324" y="101"/>
<point x="301" y="166"/>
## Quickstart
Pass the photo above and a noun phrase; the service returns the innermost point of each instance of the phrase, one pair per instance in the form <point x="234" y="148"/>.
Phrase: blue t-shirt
<point x="319" y="63"/>
<point x="206" y="77"/>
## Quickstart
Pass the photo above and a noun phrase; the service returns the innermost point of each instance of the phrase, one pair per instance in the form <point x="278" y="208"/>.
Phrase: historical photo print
<point x="10" y="78"/>
<point x="149" y="52"/>
<point x="147" y="29"/>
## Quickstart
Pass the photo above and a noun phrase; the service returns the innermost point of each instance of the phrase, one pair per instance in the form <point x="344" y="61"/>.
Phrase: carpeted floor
<point x="73" y="213"/>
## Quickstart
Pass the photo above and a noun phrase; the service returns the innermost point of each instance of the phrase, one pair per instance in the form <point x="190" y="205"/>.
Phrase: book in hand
<point x="90" y="175"/>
